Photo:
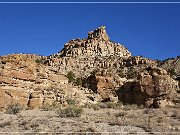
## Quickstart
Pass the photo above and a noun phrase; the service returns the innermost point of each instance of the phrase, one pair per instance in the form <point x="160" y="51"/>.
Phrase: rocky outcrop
<point x="153" y="88"/>
<point x="139" y="61"/>
<point x="105" y="84"/>
<point x="171" y="64"/>
<point x="99" y="33"/>
<point x="25" y="80"/>
<point x="97" y="44"/>
<point x="34" y="80"/>
<point x="82" y="56"/>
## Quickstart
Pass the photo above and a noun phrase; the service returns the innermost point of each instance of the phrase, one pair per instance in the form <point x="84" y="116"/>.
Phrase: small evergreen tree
<point x="131" y="74"/>
<point x="172" y="72"/>
<point x="71" y="77"/>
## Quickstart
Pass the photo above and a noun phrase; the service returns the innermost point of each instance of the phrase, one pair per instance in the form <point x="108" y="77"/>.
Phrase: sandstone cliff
<point x="24" y="80"/>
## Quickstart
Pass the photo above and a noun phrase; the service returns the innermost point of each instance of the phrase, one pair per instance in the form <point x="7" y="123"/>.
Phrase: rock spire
<point x="98" y="44"/>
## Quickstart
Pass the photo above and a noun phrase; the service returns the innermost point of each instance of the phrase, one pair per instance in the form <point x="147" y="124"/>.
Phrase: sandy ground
<point x="102" y="121"/>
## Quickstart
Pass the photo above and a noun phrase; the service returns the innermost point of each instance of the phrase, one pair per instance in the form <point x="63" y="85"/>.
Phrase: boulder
<point x="105" y="85"/>
<point x="153" y="88"/>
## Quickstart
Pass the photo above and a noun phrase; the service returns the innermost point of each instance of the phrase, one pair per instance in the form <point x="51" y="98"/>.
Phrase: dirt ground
<point x="124" y="120"/>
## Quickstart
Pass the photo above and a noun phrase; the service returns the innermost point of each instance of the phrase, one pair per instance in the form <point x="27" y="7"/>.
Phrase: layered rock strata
<point x="24" y="80"/>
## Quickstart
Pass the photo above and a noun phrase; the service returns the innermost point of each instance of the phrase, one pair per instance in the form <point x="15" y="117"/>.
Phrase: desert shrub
<point x="71" y="76"/>
<point x="108" y="105"/>
<point x="13" y="108"/>
<point x="60" y="91"/>
<point x="131" y="74"/>
<point x="47" y="107"/>
<point x="119" y="104"/>
<point x="121" y="74"/>
<point x="160" y="119"/>
<point x="39" y="61"/>
<point x="103" y="105"/>
<point x="86" y="105"/>
<point x="91" y="98"/>
<point x="148" y="110"/>
<point x="172" y="72"/>
<point x="70" y="111"/>
<point x="127" y="107"/>
<point x="79" y="81"/>
<point x="90" y="129"/>
<point x="111" y="104"/>
<point x="93" y="106"/>
<point x="34" y="125"/>
<point x="120" y="114"/>
<point x="4" y="124"/>
<point x="71" y="101"/>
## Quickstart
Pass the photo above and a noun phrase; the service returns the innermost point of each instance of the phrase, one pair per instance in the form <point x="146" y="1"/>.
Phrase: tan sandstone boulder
<point x="153" y="88"/>
<point x="104" y="84"/>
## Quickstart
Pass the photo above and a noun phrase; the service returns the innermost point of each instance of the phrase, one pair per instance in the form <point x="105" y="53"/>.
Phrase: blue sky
<point x="151" y="30"/>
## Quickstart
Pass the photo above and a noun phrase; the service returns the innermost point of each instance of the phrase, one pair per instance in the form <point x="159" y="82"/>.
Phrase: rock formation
<point x="34" y="80"/>
<point x="171" y="64"/>
<point x="97" y="44"/>
<point x="105" y="84"/>
<point x="24" y="80"/>
<point x="153" y="88"/>
<point x="97" y="51"/>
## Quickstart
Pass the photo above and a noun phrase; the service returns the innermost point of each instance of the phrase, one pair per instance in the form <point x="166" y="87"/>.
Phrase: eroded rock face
<point x="171" y="63"/>
<point x="105" y="84"/>
<point x="153" y="88"/>
<point x="25" y="80"/>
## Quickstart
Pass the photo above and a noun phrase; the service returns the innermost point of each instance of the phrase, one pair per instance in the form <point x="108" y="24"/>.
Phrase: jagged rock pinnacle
<point x="99" y="33"/>
<point x="98" y="44"/>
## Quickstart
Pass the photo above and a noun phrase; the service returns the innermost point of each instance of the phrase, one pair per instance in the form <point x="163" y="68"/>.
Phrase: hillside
<point x="93" y="85"/>
<point x="89" y="70"/>
<point x="172" y="64"/>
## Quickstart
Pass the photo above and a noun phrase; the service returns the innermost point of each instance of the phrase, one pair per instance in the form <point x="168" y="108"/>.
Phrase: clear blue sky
<point x="151" y="30"/>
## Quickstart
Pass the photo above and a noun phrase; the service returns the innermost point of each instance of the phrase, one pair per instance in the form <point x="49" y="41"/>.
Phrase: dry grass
<point x="70" y="111"/>
<point x="4" y="124"/>
<point x="92" y="120"/>
<point x="13" y="108"/>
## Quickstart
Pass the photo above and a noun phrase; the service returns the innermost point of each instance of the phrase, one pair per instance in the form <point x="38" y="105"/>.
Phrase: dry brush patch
<point x="70" y="111"/>
<point x="13" y="108"/>
<point x="90" y="120"/>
